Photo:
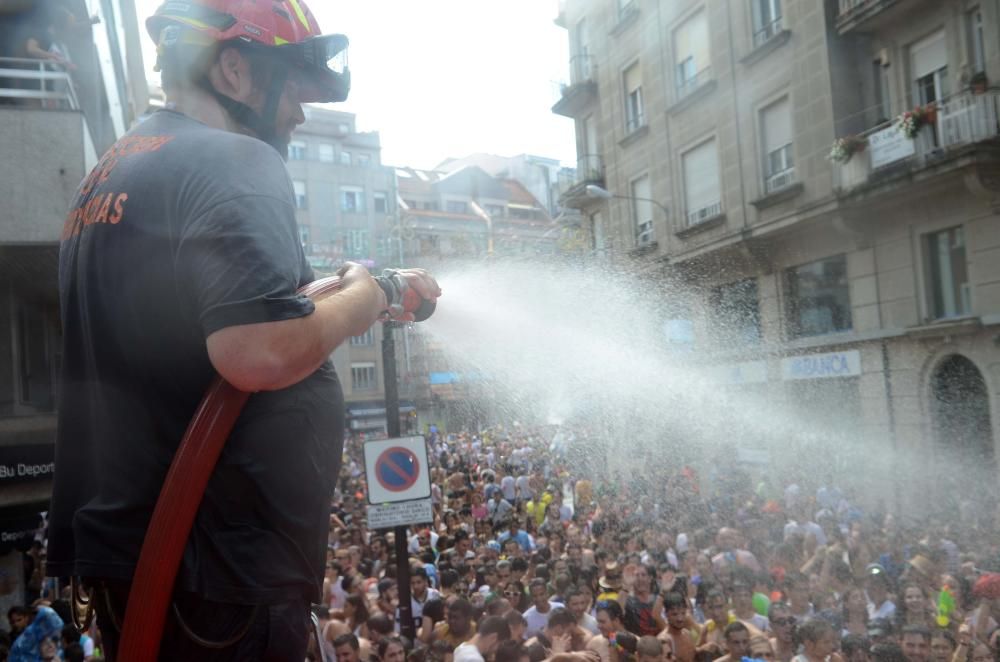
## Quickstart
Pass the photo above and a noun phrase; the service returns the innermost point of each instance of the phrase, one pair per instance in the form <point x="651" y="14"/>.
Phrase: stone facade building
<point x="860" y="294"/>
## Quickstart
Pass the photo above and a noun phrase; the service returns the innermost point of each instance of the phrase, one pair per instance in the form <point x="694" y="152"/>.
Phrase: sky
<point x="446" y="78"/>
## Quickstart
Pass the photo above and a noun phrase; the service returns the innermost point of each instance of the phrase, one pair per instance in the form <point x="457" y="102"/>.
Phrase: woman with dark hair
<point x="855" y="612"/>
<point x="356" y="615"/>
<point x="914" y="607"/>
<point x="622" y="647"/>
<point x="514" y="592"/>
<point x="391" y="649"/>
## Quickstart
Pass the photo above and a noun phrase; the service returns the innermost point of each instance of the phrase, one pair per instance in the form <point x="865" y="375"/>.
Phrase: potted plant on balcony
<point x="845" y="148"/>
<point x="979" y="83"/>
<point x="911" y="121"/>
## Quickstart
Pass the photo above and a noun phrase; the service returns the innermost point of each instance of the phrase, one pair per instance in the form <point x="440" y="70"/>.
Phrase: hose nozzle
<point x="401" y="298"/>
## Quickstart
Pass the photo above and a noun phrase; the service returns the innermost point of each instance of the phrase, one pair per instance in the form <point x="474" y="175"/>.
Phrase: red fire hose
<point x="173" y="517"/>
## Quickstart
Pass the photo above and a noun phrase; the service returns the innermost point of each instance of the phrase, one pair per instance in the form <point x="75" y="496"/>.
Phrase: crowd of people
<point x="535" y="555"/>
<point x="532" y="556"/>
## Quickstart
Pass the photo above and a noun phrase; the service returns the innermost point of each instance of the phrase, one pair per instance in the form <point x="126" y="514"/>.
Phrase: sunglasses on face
<point x="784" y="621"/>
<point x="511" y="594"/>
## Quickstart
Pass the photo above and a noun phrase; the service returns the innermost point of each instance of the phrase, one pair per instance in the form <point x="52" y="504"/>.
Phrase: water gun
<point x="945" y="607"/>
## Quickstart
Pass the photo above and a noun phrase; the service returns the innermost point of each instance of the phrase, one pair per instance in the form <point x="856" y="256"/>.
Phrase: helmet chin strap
<point x="263" y="125"/>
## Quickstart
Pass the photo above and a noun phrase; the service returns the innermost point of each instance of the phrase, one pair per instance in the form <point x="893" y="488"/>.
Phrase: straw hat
<point x="612" y="579"/>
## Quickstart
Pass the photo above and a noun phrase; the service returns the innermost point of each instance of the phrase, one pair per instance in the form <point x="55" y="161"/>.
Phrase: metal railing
<point x="582" y="69"/>
<point x="962" y="119"/>
<point x="767" y="32"/>
<point x="589" y="170"/>
<point x="31" y="79"/>
<point x="697" y="216"/>
<point x="779" y="180"/>
<point x="686" y="86"/>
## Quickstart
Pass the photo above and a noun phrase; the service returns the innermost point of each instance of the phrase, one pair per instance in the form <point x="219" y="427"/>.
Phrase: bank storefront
<point x="812" y="399"/>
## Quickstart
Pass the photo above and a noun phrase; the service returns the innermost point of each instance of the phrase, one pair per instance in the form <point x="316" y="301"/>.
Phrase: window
<point x="345" y="157"/>
<point x="363" y="377"/>
<point x="326" y="153"/>
<point x="692" y="64"/>
<point x="977" y="56"/>
<point x="818" y="298"/>
<point x="431" y="205"/>
<point x="597" y="231"/>
<point x="642" y="211"/>
<point x="766" y="20"/>
<point x="735" y="312"/>
<point x="948" y="274"/>
<point x="366" y="339"/>
<point x="457" y="206"/>
<point x="633" y="99"/>
<point x="352" y="199"/>
<point x="930" y="69"/>
<point x="380" y="202"/>
<point x="883" y="90"/>
<point x="495" y="211"/>
<point x="364" y="160"/>
<point x="779" y="167"/>
<point x="296" y="151"/>
<point x="35" y="344"/>
<point x="301" y="200"/>
<point x="304" y="236"/>
<point x="357" y="243"/>
<point x="701" y="183"/>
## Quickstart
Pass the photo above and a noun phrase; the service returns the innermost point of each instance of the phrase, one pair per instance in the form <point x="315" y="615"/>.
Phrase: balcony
<point x="573" y="184"/>
<point x="560" y="18"/>
<point x="581" y="90"/>
<point x="963" y="121"/>
<point x="870" y="15"/>
<point x="47" y="149"/>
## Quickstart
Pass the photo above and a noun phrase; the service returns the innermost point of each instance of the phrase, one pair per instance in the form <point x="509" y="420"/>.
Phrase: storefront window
<point x="818" y="298"/>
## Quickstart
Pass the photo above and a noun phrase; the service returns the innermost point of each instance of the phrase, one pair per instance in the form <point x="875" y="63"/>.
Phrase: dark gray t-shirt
<point x="182" y="230"/>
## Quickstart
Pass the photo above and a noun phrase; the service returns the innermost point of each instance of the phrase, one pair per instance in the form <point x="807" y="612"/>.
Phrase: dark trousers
<point x="200" y="630"/>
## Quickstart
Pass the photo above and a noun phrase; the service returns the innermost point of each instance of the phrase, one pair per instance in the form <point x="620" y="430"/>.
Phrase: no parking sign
<point x="397" y="470"/>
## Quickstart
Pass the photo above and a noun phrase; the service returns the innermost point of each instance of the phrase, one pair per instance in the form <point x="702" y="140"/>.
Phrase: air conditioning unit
<point x="645" y="234"/>
<point x="779" y="181"/>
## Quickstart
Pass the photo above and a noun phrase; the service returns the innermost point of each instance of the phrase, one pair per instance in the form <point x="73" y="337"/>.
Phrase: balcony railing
<point x="696" y="216"/>
<point x="853" y="13"/>
<point x="581" y="89"/>
<point x="572" y="184"/>
<point x="962" y="120"/>
<point x="779" y="180"/>
<point x="767" y="32"/>
<point x="24" y="79"/>
<point x="686" y="86"/>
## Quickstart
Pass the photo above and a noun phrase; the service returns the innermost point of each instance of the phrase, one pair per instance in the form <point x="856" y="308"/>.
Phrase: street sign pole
<point x="406" y="625"/>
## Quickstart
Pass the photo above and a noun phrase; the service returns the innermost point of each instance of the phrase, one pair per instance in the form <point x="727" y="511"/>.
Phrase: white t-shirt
<point x="507" y="487"/>
<point x="536" y="620"/>
<point x="524" y="487"/>
<point x="468" y="653"/>
<point x="589" y="623"/>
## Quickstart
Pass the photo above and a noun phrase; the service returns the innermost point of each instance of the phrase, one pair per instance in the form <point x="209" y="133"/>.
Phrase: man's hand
<point x="561" y="644"/>
<point x="354" y="276"/>
<point x="420" y="281"/>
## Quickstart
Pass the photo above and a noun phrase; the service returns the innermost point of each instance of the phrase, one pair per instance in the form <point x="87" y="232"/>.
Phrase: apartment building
<point x="462" y="218"/>
<point x="346" y="201"/>
<point x="53" y="125"/>
<point x="857" y="287"/>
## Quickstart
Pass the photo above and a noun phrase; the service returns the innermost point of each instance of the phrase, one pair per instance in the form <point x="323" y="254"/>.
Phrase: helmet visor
<point x="323" y="63"/>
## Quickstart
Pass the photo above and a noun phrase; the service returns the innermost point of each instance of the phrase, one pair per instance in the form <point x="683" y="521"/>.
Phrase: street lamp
<point x="645" y="229"/>
<point x="595" y="191"/>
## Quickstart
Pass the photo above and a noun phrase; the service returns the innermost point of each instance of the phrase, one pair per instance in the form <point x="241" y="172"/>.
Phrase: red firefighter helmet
<point x="286" y="27"/>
